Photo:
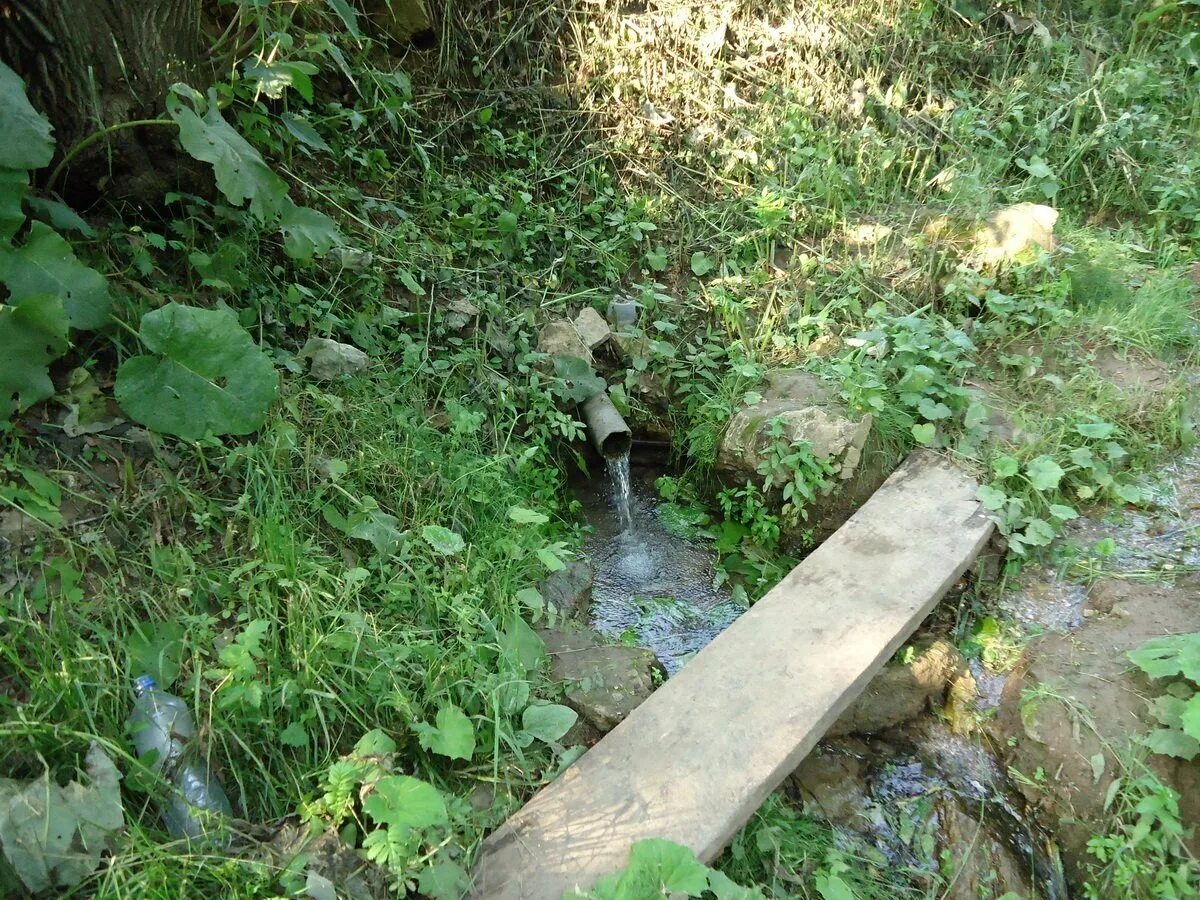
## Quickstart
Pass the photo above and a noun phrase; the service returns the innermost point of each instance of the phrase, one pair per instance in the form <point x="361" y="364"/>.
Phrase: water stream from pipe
<point x="618" y="475"/>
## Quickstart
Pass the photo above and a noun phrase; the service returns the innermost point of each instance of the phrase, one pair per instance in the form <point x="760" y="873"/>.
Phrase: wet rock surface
<point x="902" y="691"/>
<point x="935" y="803"/>
<point x="603" y="683"/>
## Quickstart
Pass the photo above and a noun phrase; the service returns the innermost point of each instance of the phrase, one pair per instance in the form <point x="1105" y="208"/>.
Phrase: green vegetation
<point x="340" y="574"/>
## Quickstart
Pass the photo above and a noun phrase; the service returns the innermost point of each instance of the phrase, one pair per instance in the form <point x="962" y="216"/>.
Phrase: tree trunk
<point x="91" y="64"/>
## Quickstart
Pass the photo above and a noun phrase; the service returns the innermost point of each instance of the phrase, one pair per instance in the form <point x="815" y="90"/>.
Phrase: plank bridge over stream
<point x="695" y="760"/>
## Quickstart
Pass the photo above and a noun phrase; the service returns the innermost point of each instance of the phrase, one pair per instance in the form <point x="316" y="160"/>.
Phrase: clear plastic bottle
<point x="198" y="808"/>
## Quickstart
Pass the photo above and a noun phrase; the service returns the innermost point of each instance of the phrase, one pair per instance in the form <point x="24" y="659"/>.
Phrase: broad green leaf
<point x="13" y="185"/>
<point x="725" y="888"/>
<point x="156" y="649"/>
<point x="1166" y="657"/>
<point x="27" y="143"/>
<point x="303" y="131"/>
<point x="444" y="880"/>
<point x="1128" y="493"/>
<point x="832" y="887"/>
<point x="443" y="541"/>
<point x="452" y="737"/>
<point x="1044" y="473"/>
<point x="1190" y="717"/>
<point x="307" y="232"/>
<point x="204" y="375"/>
<point x="550" y="560"/>
<point x="523" y="516"/>
<point x="656" y="259"/>
<point x="58" y="216"/>
<point x="548" y="722"/>
<point x="1098" y="430"/>
<point x="33" y="333"/>
<point x="275" y="78"/>
<point x="374" y="743"/>
<point x="1038" y="533"/>
<point x="46" y="264"/>
<point x="990" y="497"/>
<point x="1005" y="466"/>
<point x="1173" y="742"/>
<point x="1062" y="513"/>
<point x="523" y="650"/>
<point x="405" y="803"/>
<point x="531" y="598"/>
<point x="933" y="410"/>
<point x="579" y="381"/>
<point x="241" y="173"/>
<point x="52" y="836"/>
<point x="370" y="523"/>
<point x="667" y="866"/>
<point x="701" y="264"/>
<point x="1168" y="709"/>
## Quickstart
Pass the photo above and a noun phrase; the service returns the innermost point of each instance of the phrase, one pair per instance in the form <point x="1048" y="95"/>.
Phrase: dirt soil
<point x="1075" y="699"/>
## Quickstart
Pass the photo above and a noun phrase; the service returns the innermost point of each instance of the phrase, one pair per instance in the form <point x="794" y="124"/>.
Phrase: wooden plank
<point x="695" y="761"/>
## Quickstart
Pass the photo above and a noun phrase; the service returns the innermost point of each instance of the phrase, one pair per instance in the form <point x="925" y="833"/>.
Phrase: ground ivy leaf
<point x="548" y="722"/>
<point x="240" y="170"/>
<point x="33" y="333"/>
<point x="295" y="735"/>
<point x="204" y="375"/>
<point x="307" y="232"/>
<point x="452" y="737"/>
<point x="924" y="434"/>
<point x="444" y="880"/>
<point x="667" y="866"/>
<point x="405" y="803"/>
<point x="46" y="264"/>
<point x="1044" y="473"/>
<point x="1005" y="466"/>
<point x="27" y="143"/>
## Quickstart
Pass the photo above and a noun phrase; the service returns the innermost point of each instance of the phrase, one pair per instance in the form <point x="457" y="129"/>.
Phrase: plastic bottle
<point x="198" y="808"/>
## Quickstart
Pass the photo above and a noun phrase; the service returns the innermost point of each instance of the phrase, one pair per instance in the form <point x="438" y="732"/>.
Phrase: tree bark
<point x="91" y="64"/>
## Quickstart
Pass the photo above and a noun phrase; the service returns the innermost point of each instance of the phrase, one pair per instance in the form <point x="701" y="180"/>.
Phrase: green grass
<point x="516" y="171"/>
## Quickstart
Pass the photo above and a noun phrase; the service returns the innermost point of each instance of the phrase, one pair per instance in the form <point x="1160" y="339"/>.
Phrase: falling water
<point x="618" y="474"/>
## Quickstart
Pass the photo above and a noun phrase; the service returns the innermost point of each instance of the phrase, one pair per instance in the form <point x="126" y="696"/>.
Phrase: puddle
<point x="652" y="588"/>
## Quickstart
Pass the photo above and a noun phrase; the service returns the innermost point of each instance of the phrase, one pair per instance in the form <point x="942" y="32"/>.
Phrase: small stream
<point x="653" y="588"/>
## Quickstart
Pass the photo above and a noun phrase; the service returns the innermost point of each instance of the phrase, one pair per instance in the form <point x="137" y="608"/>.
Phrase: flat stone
<point x="694" y="761"/>
<point x="591" y="327"/>
<point x="559" y="338"/>
<point x="604" y="683"/>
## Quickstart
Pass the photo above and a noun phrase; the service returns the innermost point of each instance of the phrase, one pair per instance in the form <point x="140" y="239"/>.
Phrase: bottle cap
<point x="143" y="683"/>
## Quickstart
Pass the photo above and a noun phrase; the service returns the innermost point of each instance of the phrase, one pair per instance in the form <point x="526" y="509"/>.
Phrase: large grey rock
<point x="694" y="761"/>
<point x="559" y="338"/>
<point x="603" y="683"/>
<point x="809" y="411"/>
<point x="329" y="359"/>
